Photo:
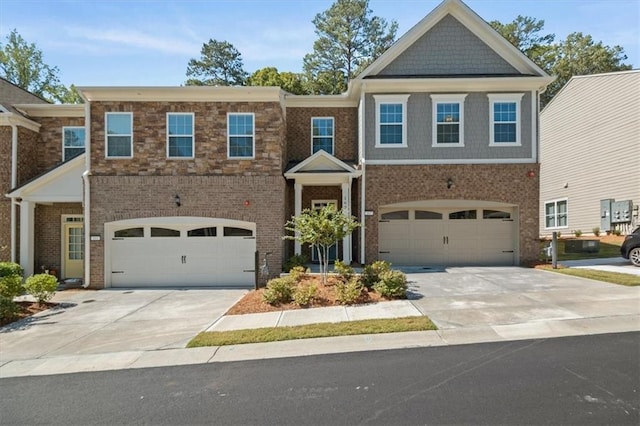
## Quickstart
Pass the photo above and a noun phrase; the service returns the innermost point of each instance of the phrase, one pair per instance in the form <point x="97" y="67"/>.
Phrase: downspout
<point x="87" y="194"/>
<point x="14" y="182"/>
<point x="363" y="176"/>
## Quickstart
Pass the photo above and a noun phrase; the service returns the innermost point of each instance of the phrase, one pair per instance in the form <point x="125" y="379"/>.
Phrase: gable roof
<point x="600" y="89"/>
<point x="321" y="162"/>
<point x="473" y="22"/>
<point x="62" y="183"/>
<point x="11" y="94"/>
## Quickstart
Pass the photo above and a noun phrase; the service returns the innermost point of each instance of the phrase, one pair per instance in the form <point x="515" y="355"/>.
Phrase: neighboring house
<point x="434" y="148"/>
<point x="590" y="155"/>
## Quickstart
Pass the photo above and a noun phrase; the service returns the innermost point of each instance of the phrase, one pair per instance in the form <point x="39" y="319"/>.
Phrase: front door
<point x="333" y="250"/>
<point x="73" y="250"/>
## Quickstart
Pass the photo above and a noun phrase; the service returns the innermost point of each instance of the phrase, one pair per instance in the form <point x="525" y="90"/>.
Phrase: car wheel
<point x="634" y="256"/>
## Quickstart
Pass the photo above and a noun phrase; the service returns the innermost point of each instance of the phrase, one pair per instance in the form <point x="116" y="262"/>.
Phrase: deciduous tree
<point x="269" y="76"/>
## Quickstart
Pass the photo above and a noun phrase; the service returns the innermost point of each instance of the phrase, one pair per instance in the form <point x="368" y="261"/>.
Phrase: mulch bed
<point x="27" y="309"/>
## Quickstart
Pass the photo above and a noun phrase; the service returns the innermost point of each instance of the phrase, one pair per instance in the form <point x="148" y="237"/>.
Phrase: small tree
<point x="321" y="229"/>
<point x="220" y="64"/>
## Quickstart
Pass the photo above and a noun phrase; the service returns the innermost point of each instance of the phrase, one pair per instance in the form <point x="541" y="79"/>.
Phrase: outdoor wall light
<point x="449" y="183"/>
<point x="177" y="200"/>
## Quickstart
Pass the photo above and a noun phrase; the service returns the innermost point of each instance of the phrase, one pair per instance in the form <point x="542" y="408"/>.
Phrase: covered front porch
<point x="328" y="181"/>
<point x="50" y="223"/>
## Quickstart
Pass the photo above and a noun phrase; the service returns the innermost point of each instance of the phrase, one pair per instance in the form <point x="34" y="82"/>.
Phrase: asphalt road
<point x="576" y="380"/>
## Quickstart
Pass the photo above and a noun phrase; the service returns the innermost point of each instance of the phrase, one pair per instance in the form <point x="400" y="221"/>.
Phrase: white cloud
<point x="125" y="38"/>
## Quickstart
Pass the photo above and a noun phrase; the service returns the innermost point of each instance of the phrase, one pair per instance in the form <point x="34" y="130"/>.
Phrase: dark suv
<point x="630" y="248"/>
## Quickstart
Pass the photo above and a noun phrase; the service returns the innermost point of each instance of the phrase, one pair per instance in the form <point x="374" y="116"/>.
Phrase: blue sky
<point x="149" y="42"/>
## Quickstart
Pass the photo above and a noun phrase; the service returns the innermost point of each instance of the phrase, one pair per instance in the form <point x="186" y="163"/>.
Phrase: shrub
<point x="577" y="233"/>
<point x="295" y="260"/>
<point x="279" y="290"/>
<point x="297" y="273"/>
<point x="41" y="286"/>
<point x="617" y="232"/>
<point x="392" y="284"/>
<point x="349" y="292"/>
<point x="345" y="271"/>
<point x="10" y="280"/>
<point x="370" y="273"/>
<point x="8" y="308"/>
<point x="596" y="231"/>
<point x="304" y="294"/>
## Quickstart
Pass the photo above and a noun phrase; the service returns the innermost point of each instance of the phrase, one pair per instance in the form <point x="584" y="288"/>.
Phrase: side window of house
<point x="504" y="110"/>
<point x="448" y="120"/>
<point x="119" y="134"/>
<point x="240" y="135"/>
<point x="322" y="134"/>
<point x="556" y="214"/>
<point x="72" y="142"/>
<point x="180" y="140"/>
<point x="391" y="120"/>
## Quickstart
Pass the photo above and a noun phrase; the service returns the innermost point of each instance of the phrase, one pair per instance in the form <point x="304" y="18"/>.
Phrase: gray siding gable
<point x="449" y="48"/>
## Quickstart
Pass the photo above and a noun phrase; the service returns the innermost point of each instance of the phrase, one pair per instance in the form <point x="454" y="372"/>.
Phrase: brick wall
<point x="507" y="183"/>
<point x="127" y="197"/>
<point x="150" y="140"/>
<point x="27" y="154"/>
<point x="50" y="145"/>
<point x="48" y="235"/>
<point x="299" y="132"/>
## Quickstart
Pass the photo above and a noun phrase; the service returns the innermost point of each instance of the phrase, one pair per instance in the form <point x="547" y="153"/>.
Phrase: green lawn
<point x="610" y="249"/>
<point x="594" y="274"/>
<point x="274" y="334"/>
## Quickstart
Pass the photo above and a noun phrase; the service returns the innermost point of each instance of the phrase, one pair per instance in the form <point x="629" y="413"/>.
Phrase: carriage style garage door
<point x="195" y="252"/>
<point x="447" y="236"/>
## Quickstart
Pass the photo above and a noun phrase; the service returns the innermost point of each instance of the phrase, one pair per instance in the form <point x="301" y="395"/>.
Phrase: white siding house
<point x="590" y="151"/>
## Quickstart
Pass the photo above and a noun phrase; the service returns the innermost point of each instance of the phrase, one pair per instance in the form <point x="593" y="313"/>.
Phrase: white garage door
<point x="461" y="236"/>
<point x="202" y="253"/>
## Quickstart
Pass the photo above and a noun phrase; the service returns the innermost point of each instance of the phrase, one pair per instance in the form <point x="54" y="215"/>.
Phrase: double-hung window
<point x="391" y="119"/>
<point x="448" y="120"/>
<point x="72" y="142"/>
<point x="504" y="110"/>
<point x="322" y="134"/>
<point x="180" y="135"/>
<point x="556" y="214"/>
<point x="240" y="135"/>
<point x="119" y="134"/>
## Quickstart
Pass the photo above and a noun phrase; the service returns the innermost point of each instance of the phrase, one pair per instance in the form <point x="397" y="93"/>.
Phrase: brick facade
<point x="506" y="183"/>
<point x="50" y="149"/>
<point x="5" y="203"/>
<point x="131" y="197"/>
<point x="299" y="132"/>
<point x="48" y="241"/>
<point x="210" y="122"/>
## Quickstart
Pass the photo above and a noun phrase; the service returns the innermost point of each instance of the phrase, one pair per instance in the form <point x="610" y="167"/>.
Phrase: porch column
<point x="298" y="209"/>
<point x="27" y="213"/>
<point x="346" y="208"/>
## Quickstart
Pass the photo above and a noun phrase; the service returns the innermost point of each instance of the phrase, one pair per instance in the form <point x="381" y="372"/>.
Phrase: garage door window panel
<point x="211" y="231"/>
<point x="427" y="215"/>
<point x="164" y="232"/>
<point x="129" y="233"/>
<point x="495" y="214"/>
<point x="464" y="215"/>
<point x="397" y="215"/>
<point x="237" y="232"/>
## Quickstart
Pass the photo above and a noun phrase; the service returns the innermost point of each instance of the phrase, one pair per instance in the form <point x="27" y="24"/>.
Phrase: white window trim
<point x="64" y="147"/>
<point x="253" y="137"/>
<point x="391" y="99"/>
<point x="333" y="133"/>
<point x="192" y="135"/>
<point x="106" y="135"/>
<point x="555" y="202"/>
<point x="446" y="99"/>
<point x="505" y="98"/>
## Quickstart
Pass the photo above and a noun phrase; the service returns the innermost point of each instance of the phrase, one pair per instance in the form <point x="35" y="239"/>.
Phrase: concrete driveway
<point x="493" y="298"/>
<point x="105" y="321"/>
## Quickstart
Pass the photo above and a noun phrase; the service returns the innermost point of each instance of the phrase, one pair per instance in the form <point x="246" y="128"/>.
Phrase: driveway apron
<point x="467" y="297"/>
<point x="105" y="321"/>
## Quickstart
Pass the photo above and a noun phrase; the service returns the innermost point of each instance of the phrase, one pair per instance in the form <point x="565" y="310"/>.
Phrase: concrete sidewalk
<point x="469" y="305"/>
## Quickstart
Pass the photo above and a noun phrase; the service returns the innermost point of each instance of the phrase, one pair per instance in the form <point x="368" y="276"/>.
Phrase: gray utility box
<point x="581" y="246"/>
<point x="621" y="211"/>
